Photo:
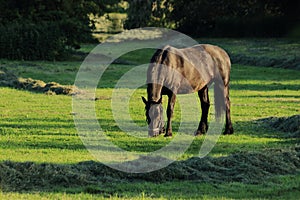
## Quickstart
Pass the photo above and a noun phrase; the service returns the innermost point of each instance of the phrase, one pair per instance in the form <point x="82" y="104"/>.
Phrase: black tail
<point x="219" y="98"/>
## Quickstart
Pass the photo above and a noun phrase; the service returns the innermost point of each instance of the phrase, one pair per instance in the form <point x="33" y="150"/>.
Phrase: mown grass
<point x="275" y="48"/>
<point x="281" y="187"/>
<point x="40" y="128"/>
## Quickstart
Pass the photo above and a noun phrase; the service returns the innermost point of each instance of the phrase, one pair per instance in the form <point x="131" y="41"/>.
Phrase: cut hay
<point x="8" y="79"/>
<point x="246" y="167"/>
<point x="289" y="125"/>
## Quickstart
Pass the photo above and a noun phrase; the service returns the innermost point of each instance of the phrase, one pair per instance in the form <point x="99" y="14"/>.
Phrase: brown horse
<point x="175" y="71"/>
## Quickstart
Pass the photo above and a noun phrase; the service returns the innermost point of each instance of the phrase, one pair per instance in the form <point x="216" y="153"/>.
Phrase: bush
<point x="46" y="30"/>
<point x="28" y="41"/>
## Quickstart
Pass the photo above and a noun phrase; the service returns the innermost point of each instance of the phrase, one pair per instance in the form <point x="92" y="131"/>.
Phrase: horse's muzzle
<point x="155" y="132"/>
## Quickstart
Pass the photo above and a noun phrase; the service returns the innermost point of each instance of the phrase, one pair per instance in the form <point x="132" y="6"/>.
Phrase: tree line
<point x="49" y="29"/>
<point x="215" y="18"/>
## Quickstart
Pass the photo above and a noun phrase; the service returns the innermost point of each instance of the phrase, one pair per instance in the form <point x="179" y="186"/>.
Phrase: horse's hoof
<point x="163" y="130"/>
<point x="168" y="135"/>
<point x="228" y="132"/>
<point x="198" y="133"/>
<point x="153" y="134"/>
<point x="202" y="129"/>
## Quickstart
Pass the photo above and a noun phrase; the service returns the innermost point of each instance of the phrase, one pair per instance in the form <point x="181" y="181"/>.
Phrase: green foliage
<point x="214" y="18"/>
<point x="46" y="30"/>
<point x="235" y="18"/>
<point x="148" y="13"/>
<point x="32" y="42"/>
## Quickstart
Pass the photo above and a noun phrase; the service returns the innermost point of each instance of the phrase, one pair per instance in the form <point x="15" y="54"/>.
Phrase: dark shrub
<point x="29" y="41"/>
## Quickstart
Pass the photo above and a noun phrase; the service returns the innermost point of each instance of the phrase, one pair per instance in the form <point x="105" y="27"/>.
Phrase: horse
<point x="174" y="71"/>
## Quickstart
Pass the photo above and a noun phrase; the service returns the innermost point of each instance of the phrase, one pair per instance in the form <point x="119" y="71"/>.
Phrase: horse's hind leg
<point x="228" y="126"/>
<point x="204" y="99"/>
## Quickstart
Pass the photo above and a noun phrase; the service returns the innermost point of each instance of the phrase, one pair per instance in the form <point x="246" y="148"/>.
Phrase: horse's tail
<point x="219" y="97"/>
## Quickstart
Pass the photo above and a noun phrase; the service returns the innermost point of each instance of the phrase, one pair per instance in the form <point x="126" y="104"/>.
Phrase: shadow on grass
<point x="255" y="135"/>
<point x="265" y="87"/>
<point x="56" y="133"/>
<point x="46" y="134"/>
<point x="38" y="123"/>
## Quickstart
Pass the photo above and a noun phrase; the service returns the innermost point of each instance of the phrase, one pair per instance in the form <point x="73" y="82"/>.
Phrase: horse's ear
<point x="144" y="100"/>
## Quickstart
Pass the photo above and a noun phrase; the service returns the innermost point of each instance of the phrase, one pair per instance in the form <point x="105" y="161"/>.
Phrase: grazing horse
<point x="175" y="71"/>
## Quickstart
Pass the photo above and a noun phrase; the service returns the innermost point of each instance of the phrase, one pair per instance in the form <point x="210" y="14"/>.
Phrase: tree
<point x="143" y="13"/>
<point x="40" y="22"/>
<point x="236" y="18"/>
<point x="227" y="18"/>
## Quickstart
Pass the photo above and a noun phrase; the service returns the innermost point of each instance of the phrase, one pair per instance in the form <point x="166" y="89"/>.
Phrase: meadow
<point x="42" y="156"/>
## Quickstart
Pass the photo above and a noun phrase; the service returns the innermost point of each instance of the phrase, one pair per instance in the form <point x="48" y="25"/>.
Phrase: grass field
<point x="39" y="129"/>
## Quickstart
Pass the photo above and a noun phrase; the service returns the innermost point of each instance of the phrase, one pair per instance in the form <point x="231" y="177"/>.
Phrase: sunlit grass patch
<point x="38" y="129"/>
<point x="45" y="122"/>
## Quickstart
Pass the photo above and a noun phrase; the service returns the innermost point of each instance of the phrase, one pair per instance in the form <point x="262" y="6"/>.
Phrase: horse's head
<point x="154" y="117"/>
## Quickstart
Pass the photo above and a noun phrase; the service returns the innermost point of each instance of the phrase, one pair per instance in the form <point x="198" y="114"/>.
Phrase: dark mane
<point x="156" y="56"/>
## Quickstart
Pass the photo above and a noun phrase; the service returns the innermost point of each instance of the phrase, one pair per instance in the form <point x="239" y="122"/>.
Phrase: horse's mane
<point x="157" y="55"/>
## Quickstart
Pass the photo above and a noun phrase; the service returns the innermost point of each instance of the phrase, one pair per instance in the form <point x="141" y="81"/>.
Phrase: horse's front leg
<point x="170" y="110"/>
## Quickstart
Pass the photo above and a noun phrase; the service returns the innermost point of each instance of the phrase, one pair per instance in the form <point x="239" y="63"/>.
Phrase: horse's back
<point x="197" y="64"/>
<point x="221" y="60"/>
<point x="211" y="59"/>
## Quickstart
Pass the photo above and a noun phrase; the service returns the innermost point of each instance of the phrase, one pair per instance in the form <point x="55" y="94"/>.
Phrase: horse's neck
<point x="154" y="92"/>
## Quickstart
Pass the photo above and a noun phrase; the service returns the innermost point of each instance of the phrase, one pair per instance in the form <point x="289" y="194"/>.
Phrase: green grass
<point x="65" y="72"/>
<point x="40" y="128"/>
<point x="49" y="123"/>
<point x="281" y="187"/>
<point x="61" y="72"/>
<point x="266" y="47"/>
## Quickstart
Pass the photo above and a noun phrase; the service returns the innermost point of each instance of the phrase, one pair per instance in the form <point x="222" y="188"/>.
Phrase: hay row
<point x="289" y="125"/>
<point x="285" y="63"/>
<point x="245" y="167"/>
<point x="9" y="79"/>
